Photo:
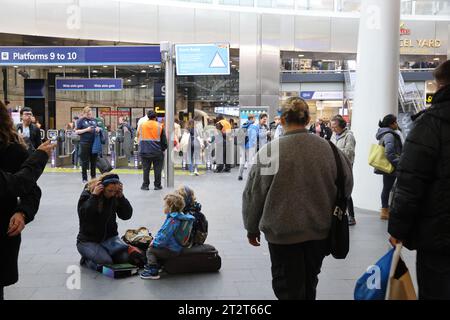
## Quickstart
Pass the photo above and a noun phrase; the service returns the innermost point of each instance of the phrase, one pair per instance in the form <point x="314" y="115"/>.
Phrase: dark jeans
<point x="87" y="157"/>
<point x="433" y="276"/>
<point x="295" y="269"/>
<point x="388" y="183"/>
<point x="157" y="255"/>
<point x="99" y="254"/>
<point x="158" y="163"/>
<point x="223" y="162"/>
<point x="350" y="208"/>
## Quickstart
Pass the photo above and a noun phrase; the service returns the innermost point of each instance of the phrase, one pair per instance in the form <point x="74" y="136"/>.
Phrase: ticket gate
<point x="118" y="156"/>
<point x="63" y="155"/>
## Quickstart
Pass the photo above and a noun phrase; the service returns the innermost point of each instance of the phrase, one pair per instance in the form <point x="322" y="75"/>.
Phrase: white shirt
<point x="142" y="120"/>
<point x="26" y="132"/>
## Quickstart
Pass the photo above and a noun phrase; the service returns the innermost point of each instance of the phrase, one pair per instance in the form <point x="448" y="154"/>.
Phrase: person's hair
<point x="76" y="118"/>
<point x="387" y="121"/>
<point x="263" y="115"/>
<point x="8" y="133"/>
<point x="86" y="110"/>
<point x="174" y="202"/>
<point x="442" y="73"/>
<point x="191" y="124"/>
<point x="340" y="121"/>
<point x="220" y="117"/>
<point x="91" y="184"/>
<point x="151" y="115"/>
<point x="186" y="192"/>
<point x="251" y="116"/>
<point x="177" y="121"/>
<point x="7" y="102"/>
<point x="296" y="112"/>
<point x="26" y="109"/>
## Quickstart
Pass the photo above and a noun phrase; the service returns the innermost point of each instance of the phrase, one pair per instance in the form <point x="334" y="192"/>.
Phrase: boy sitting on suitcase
<point x="167" y="243"/>
<point x="191" y="206"/>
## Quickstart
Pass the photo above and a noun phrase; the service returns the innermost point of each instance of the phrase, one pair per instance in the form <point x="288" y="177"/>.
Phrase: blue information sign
<point x="202" y="59"/>
<point x="108" y="55"/>
<point x="95" y="84"/>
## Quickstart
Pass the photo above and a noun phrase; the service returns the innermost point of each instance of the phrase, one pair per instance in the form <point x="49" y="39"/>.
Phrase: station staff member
<point x="152" y="144"/>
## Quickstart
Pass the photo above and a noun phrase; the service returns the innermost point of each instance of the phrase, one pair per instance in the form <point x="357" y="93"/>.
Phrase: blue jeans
<point x="99" y="254"/>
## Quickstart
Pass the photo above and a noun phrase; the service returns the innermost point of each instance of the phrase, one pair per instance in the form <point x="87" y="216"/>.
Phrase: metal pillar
<point x="167" y="57"/>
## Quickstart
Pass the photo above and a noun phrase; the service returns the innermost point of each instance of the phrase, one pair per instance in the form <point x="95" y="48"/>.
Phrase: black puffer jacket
<point x="420" y="214"/>
<point x="98" y="222"/>
<point x="11" y="159"/>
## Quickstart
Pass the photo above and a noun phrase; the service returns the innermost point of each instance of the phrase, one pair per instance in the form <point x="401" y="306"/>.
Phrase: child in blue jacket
<point x="165" y="245"/>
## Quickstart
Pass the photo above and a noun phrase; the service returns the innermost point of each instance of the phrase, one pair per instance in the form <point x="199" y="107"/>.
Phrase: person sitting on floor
<point x="165" y="245"/>
<point x="101" y="202"/>
<point x="200" y="226"/>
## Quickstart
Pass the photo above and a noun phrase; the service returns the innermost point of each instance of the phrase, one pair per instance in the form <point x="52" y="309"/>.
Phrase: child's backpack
<point x="183" y="232"/>
<point x="199" y="229"/>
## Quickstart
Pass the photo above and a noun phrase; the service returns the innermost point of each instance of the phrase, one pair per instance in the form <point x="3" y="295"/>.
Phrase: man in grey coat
<point x="289" y="196"/>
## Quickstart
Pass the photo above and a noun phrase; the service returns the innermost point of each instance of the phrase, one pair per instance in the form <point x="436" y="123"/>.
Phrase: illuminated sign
<point x="403" y="30"/>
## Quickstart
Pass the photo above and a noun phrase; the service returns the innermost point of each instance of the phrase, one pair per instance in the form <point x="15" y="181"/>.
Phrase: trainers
<point x="351" y="221"/>
<point x="145" y="188"/>
<point x="240" y="178"/>
<point x="150" y="273"/>
<point x="158" y="188"/>
<point x="196" y="173"/>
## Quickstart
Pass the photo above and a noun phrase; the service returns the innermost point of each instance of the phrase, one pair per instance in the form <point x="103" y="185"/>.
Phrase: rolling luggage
<point x="202" y="258"/>
<point x="103" y="165"/>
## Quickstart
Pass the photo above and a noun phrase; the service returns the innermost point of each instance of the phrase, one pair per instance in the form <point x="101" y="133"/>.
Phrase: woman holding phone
<point x="87" y="128"/>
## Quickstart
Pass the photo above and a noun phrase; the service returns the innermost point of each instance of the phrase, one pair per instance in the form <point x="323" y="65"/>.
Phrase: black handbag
<point x="339" y="237"/>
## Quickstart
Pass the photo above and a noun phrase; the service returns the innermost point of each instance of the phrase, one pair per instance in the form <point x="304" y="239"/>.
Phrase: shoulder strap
<point x="340" y="184"/>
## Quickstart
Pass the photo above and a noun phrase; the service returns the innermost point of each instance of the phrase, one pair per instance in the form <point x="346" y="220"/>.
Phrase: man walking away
<point x="152" y="144"/>
<point x="420" y="213"/>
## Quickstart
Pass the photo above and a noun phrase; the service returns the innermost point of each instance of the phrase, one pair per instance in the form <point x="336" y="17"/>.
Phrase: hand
<point x="47" y="147"/>
<point x="89" y="129"/>
<point x="254" y="240"/>
<point x="394" y="241"/>
<point x="98" y="189"/>
<point x="98" y="129"/>
<point x="119" y="193"/>
<point x="16" y="224"/>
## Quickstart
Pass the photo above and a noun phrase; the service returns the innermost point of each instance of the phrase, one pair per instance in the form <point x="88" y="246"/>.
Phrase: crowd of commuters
<point x="418" y="214"/>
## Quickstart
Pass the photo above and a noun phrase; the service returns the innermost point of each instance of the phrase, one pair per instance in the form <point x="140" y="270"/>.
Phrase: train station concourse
<point x="185" y="152"/>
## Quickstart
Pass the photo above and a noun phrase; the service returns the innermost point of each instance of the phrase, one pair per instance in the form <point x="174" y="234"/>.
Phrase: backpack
<point x="199" y="228"/>
<point x="242" y="134"/>
<point x="139" y="238"/>
<point x="183" y="232"/>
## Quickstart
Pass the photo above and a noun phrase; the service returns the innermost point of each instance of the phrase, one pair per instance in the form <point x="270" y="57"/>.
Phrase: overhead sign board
<point x="68" y="56"/>
<point x="202" y="59"/>
<point x="322" y="95"/>
<point x="92" y="84"/>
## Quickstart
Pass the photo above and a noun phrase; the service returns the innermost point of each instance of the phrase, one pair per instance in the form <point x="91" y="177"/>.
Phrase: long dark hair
<point x="387" y="121"/>
<point x="8" y="134"/>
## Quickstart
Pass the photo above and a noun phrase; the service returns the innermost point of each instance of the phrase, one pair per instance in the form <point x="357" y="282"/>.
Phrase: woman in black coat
<point x="100" y="204"/>
<point x="14" y="212"/>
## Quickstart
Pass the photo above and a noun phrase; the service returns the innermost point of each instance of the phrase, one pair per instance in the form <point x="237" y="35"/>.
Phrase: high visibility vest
<point x="150" y="131"/>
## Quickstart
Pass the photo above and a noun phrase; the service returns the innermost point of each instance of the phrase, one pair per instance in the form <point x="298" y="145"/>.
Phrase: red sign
<point x="115" y="113"/>
<point x="403" y="30"/>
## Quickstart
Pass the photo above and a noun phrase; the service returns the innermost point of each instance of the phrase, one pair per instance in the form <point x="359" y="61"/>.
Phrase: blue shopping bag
<point x="97" y="145"/>
<point x="373" y="284"/>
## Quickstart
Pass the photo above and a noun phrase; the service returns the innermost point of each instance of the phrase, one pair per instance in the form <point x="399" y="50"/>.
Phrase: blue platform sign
<point x="202" y="59"/>
<point x="70" y="56"/>
<point x="93" y="84"/>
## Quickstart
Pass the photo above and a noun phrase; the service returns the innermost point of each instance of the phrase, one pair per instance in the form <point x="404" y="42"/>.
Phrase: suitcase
<point x="103" y="165"/>
<point x="202" y="258"/>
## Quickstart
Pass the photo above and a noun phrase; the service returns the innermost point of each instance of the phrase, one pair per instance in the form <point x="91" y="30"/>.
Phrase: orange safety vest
<point x="226" y="126"/>
<point x="150" y="131"/>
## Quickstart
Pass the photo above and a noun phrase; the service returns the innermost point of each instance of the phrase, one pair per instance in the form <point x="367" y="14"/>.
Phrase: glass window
<point x="284" y="4"/>
<point x="322" y="5"/>
<point x="243" y="3"/>
<point x="406" y="7"/>
<point x="424" y="7"/>
<point x="264" y="3"/>
<point x="301" y="4"/>
<point x="351" y="5"/>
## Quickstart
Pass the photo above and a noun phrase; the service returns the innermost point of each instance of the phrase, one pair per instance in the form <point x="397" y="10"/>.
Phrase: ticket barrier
<point x="63" y="155"/>
<point x="118" y="156"/>
<point x="52" y="135"/>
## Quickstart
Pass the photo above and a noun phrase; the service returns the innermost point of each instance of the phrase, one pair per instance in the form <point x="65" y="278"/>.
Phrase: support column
<point x="376" y="90"/>
<point x="259" y="61"/>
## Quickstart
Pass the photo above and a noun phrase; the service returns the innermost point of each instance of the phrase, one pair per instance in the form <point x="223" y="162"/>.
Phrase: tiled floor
<point x="48" y="247"/>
